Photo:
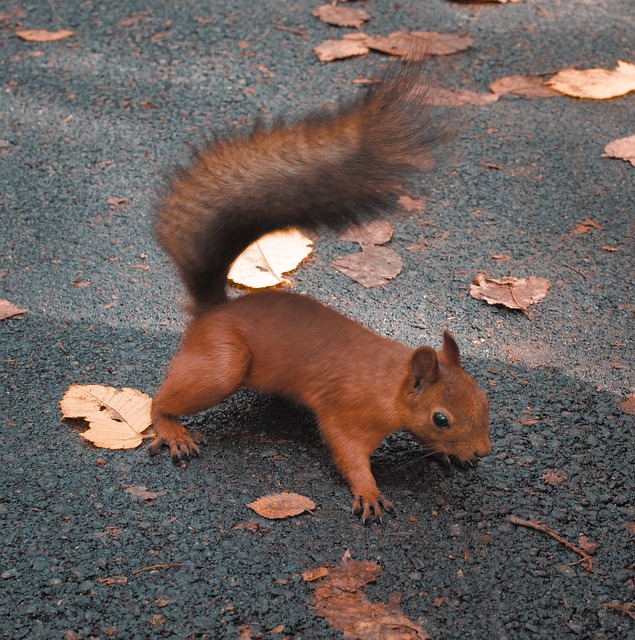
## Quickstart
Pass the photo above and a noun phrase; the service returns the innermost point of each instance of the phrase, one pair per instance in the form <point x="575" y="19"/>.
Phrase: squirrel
<point x="329" y="170"/>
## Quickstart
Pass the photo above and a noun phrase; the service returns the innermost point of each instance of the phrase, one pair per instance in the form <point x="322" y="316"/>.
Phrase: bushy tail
<point x="331" y="170"/>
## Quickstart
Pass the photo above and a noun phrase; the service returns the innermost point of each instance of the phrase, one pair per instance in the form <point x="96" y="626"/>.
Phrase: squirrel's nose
<point x="485" y="451"/>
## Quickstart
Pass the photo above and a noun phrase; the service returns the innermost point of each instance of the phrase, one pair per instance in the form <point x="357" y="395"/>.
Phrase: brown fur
<point x="328" y="170"/>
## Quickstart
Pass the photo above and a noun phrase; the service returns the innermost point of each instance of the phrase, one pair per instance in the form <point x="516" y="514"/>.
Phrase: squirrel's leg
<point x="352" y="457"/>
<point x="207" y="369"/>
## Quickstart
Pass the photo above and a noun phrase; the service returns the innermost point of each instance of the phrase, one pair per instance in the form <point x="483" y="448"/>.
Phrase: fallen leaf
<point x="281" y="505"/>
<point x="412" y="204"/>
<point x="486" y="1"/>
<point x="622" y="148"/>
<point x="528" y="86"/>
<point x="116" y="202"/>
<point x="417" y="45"/>
<point x="630" y="527"/>
<point x="42" y="35"/>
<point x="628" y="405"/>
<point x="459" y="97"/>
<point x="142" y="492"/>
<point x="596" y="84"/>
<point x="511" y="292"/>
<point x="610" y="249"/>
<point x="376" y="232"/>
<point x="262" y="264"/>
<point x="501" y="257"/>
<point x="554" y="477"/>
<point x="372" y="267"/>
<point x="341" y="16"/>
<point x="113" y="580"/>
<point x="338" y="49"/>
<point x="315" y="574"/>
<point x="587" y="545"/>
<point x="9" y="310"/>
<point x="117" y="417"/>
<point x="586" y="226"/>
<point x="250" y="526"/>
<point x="338" y="600"/>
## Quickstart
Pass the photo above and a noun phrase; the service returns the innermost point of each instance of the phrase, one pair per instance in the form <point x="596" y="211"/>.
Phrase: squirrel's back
<point x="331" y="169"/>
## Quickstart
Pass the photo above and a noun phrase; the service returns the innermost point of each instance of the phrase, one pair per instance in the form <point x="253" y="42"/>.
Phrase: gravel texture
<point x="103" y="114"/>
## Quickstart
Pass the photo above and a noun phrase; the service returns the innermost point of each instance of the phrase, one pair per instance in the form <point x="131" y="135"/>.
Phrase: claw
<point x="180" y="449"/>
<point x="372" y="509"/>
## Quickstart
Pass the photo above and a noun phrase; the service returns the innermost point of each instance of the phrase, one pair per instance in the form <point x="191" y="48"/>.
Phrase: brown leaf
<point x="501" y="257"/>
<point x="586" y="226"/>
<point x="372" y="267"/>
<point x="281" y="505"/>
<point x="338" y="49"/>
<point x="116" y="202"/>
<point x="250" y="526"/>
<point x="338" y="600"/>
<point x="554" y="477"/>
<point x="419" y="44"/>
<point x="376" y="232"/>
<point x="341" y="16"/>
<point x="9" y="310"/>
<point x="42" y="35"/>
<point x="511" y="292"/>
<point x="142" y="492"/>
<point x="597" y="84"/>
<point x="113" y="580"/>
<point x="628" y="405"/>
<point x="630" y="527"/>
<point x="315" y="574"/>
<point x="529" y="86"/>
<point x="443" y="44"/>
<point x="459" y="97"/>
<point x="622" y="148"/>
<point x="412" y="204"/>
<point x="587" y="545"/>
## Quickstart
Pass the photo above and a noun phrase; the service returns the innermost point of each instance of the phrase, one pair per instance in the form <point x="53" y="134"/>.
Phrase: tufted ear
<point x="424" y="367"/>
<point x="450" y="353"/>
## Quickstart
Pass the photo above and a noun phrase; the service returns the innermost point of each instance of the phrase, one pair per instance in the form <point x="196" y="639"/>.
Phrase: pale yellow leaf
<point x="337" y="49"/>
<point x="117" y="417"/>
<point x="264" y="262"/>
<point x="42" y="35"/>
<point x="622" y="148"/>
<point x="597" y="84"/>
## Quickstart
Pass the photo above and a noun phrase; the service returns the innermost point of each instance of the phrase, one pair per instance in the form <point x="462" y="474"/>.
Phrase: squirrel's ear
<point x="450" y="353"/>
<point x="424" y="367"/>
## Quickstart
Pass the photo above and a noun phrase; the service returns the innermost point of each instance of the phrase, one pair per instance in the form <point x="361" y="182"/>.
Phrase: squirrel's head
<point x="446" y="410"/>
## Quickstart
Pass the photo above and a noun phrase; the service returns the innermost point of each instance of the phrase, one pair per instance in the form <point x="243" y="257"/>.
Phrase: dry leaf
<point x="372" y="267"/>
<point x="501" y="257"/>
<point x="511" y="292"/>
<point x="376" y="232"/>
<point x="420" y="44"/>
<point x="459" y="97"/>
<point x="9" y="310"/>
<point x="262" y="263"/>
<point x="587" y="545"/>
<point x="628" y="405"/>
<point x="341" y="16"/>
<point x="281" y="505"/>
<point x="116" y="202"/>
<point x="42" y="35"/>
<point x="597" y="84"/>
<point x="338" y="600"/>
<point x="554" y="477"/>
<point x="412" y="204"/>
<point x="586" y="226"/>
<point x="142" y="492"/>
<point x="630" y="527"/>
<point x="338" y="49"/>
<point x="315" y="574"/>
<point x="526" y="86"/>
<point x="622" y="148"/>
<point x="117" y="417"/>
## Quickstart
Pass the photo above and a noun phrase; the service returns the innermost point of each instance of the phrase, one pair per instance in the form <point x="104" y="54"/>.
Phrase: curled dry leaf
<point x="622" y="148"/>
<point x="511" y="292"/>
<point x="9" y="310"/>
<point x="375" y="232"/>
<point x="338" y="49"/>
<point x="628" y="405"/>
<point x="554" y="477"/>
<point x="263" y="263"/>
<point x="117" y="417"/>
<point x="315" y="574"/>
<point x="142" y="492"/>
<point x="596" y="84"/>
<point x="42" y="35"/>
<point x="340" y="602"/>
<point x="529" y="86"/>
<point x="341" y="16"/>
<point x="586" y="226"/>
<point x="587" y="545"/>
<point x="372" y="267"/>
<point x="281" y="505"/>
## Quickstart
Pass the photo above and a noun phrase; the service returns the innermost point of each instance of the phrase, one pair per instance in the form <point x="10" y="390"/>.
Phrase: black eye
<point x="441" y="420"/>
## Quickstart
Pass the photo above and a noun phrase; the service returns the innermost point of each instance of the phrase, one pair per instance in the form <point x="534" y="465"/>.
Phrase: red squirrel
<point x="330" y="170"/>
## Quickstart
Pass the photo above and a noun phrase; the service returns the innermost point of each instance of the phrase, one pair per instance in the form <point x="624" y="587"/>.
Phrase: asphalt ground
<point x="103" y="114"/>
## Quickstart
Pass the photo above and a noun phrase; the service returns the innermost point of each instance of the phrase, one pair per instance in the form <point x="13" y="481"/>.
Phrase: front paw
<point x="372" y="507"/>
<point x="182" y="447"/>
